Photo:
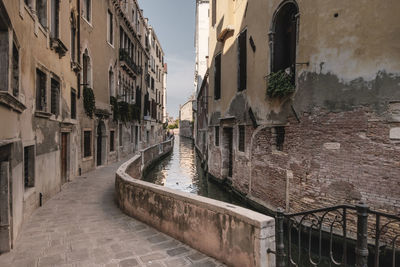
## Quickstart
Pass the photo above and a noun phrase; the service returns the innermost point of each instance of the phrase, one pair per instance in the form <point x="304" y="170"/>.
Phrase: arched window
<point x="111" y="82"/>
<point x="283" y="38"/>
<point x="87" y="69"/>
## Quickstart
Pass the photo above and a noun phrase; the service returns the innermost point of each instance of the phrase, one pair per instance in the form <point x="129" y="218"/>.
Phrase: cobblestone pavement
<point x="82" y="226"/>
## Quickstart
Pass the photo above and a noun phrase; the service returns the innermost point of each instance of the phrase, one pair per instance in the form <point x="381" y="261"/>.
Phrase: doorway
<point x="101" y="143"/>
<point x="64" y="157"/>
<point x="227" y="152"/>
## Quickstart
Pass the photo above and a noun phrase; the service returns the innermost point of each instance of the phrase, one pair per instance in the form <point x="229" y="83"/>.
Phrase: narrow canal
<point x="182" y="170"/>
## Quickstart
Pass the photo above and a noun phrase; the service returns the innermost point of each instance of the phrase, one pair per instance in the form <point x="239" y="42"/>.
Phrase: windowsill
<point x="43" y="114"/>
<point x="30" y="12"/>
<point x="43" y="29"/>
<point x="113" y="152"/>
<point x="11" y="102"/>
<point x="89" y="23"/>
<point x="87" y="159"/>
<point x="110" y="44"/>
<point x="29" y="192"/>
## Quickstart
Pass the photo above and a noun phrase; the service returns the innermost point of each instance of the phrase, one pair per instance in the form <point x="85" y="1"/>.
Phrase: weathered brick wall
<point x="214" y="155"/>
<point x="329" y="158"/>
<point x="241" y="166"/>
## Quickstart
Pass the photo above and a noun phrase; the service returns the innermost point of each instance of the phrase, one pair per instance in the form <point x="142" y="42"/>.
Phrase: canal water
<point x="182" y="170"/>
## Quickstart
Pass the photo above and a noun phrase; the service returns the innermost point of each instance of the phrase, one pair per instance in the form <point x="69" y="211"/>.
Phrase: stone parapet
<point x="231" y="234"/>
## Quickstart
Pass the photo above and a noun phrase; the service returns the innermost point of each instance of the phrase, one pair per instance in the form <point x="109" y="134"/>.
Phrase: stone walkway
<point x="82" y="226"/>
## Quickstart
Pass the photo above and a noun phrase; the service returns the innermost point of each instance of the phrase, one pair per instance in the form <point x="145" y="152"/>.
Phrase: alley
<point x="82" y="226"/>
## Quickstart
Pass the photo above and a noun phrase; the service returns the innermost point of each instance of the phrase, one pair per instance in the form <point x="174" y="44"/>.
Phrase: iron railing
<point x="337" y="236"/>
<point x="125" y="57"/>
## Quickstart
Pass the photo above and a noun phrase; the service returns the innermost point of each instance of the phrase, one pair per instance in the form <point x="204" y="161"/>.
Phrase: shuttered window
<point x="280" y="137"/>
<point x="73" y="104"/>
<point x="112" y="146"/>
<point x="242" y="61"/>
<point x="29" y="166"/>
<point x="55" y="97"/>
<point x="87" y="143"/>
<point x="40" y="90"/>
<point x="216" y="135"/>
<point x="241" y="137"/>
<point x="217" y="77"/>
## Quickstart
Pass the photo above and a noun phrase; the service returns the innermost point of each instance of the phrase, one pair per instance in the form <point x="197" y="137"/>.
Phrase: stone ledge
<point x="11" y="102"/>
<point x="231" y="234"/>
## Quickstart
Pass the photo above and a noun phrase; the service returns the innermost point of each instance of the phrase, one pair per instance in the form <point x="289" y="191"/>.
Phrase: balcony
<point x="127" y="61"/>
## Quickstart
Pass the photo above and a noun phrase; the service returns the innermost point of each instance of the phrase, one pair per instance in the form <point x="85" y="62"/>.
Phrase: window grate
<point x="87" y="143"/>
<point x="241" y="138"/>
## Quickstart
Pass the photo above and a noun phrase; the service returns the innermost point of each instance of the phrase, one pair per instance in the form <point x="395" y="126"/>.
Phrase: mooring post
<point x="279" y="239"/>
<point x="362" y="235"/>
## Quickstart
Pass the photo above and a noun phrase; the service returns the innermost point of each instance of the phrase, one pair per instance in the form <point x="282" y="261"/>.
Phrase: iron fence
<point x="342" y="235"/>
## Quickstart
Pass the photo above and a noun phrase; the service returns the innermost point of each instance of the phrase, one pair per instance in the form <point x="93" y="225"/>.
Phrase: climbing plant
<point x="89" y="101"/>
<point x="280" y="84"/>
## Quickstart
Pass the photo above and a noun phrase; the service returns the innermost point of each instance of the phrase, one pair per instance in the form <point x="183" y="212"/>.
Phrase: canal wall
<point x="231" y="234"/>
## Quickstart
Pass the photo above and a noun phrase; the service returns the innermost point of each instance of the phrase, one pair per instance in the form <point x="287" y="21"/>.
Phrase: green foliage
<point x="123" y="111"/>
<point x="280" y="84"/>
<point x="89" y="101"/>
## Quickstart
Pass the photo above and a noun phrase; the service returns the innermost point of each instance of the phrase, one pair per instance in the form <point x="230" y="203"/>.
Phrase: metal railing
<point x="125" y="57"/>
<point x="337" y="236"/>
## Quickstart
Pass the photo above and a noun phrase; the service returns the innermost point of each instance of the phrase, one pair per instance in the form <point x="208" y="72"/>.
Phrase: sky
<point x="174" y="24"/>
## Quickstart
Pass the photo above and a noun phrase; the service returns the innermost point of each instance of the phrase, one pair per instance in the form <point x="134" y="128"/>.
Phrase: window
<point x="132" y="131"/>
<point x="242" y="61"/>
<point x="29" y="166"/>
<point x="87" y="144"/>
<point x="214" y="12"/>
<point x="73" y="37"/>
<point x="136" y="135"/>
<point x="55" y="18"/>
<point x="216" y="135"/>
<point x="241" y="137"/>
<point x="217" y="77"/>
<point x="41" y="12"/>
<point x="55" y="97"/>
<point x="86" y="9"/>
<point x="111" y="82"/>
<point x="73" y="104"/>
<point x="120" y="135"/>
<point x="284" y="35"/>
<point x="41" y="90"/>
<point x="15" y="71"/>
<point x="112" y="146"/>
<point x="280" y="137"/>
<point x="29" y="3"/>
<point x="110" y="25"/>
<point x="86" y="69"/>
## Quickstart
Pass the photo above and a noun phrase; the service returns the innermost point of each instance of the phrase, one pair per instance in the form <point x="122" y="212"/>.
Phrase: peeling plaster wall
<point x="341" y="142"/>
<point x="27" y="128"/>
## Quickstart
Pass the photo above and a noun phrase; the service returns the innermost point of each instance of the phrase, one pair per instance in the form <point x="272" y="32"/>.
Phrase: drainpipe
<point x="78" y="7"/>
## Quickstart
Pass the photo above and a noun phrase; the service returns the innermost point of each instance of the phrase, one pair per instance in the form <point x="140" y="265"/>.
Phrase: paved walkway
<point x="82" y="226"/>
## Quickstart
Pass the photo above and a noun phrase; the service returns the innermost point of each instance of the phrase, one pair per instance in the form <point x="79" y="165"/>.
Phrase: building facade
<point x="186" y="120"/>
<point x="303" y="108"/>
<point x="39" y="145"/>
<point x="73" y="90"/>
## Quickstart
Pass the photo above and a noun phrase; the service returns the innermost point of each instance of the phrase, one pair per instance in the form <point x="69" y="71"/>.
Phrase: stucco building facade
<point x="324" y="129"/>
<point x="72" y="96"/>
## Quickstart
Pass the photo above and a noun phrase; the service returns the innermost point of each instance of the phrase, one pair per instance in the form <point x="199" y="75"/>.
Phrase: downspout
<point x="78" y="6"/>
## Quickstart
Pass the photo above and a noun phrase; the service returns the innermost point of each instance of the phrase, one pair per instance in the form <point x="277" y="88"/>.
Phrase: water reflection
<point x="182" y="171"/>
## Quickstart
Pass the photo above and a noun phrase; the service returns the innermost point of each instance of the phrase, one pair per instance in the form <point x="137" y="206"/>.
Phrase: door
<point x="99" y="145"/>
<point x="5" y="232"/>
<point x="64" y="157"/>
